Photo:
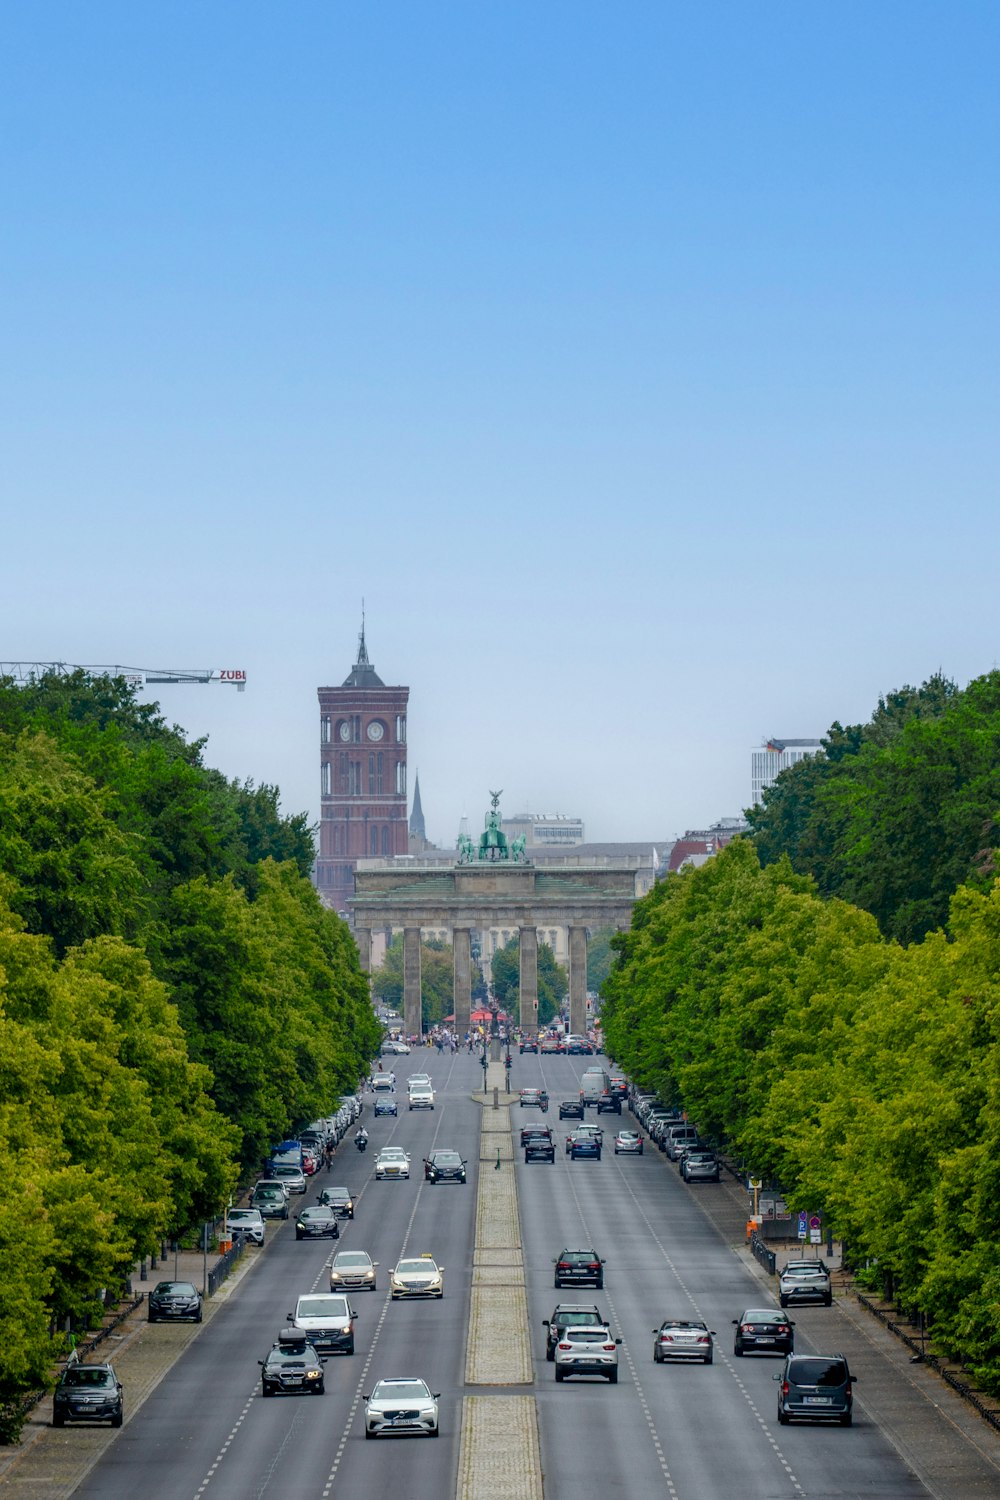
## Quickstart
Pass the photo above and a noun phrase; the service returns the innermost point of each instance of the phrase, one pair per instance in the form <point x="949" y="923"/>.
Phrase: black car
<point x="538" y="1143"/>
<point x="292" y="1366"/>
<point x="579" y="1268"/>
<point x="340" y="1199"/>
<point x="88" y="1393"/>
<point x="571" y="1109"/>
<point x="818" y="1387"/>
<point x="609" y="1104"/>
<point x="174" y="1300"/>
<point x="317" y="1223"/>
<point x="570" y="1315"/>
<point x="529" y="1044"/>
<point x="764" y="1329"/>
<point x="444" y="1166"/>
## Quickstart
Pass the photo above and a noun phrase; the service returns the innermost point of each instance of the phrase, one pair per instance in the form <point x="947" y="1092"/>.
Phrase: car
<point x="586" y="1350"/>
<point x="764" y="1329"/>
<point x="317" y="1223"/>
<point x="571" y="1109"/>
<point x="418" y="1276"/>
<point x="171" y="1301"/>
<point x="628" y="1143"/>
<point x="88" y="1393"/>
<point x="444" y="1166"/>
<point x="352" y="1270"/>
<point x="418" y="1080"/>
<point x="805" y="1281"/>
<point x="584" y="1130"/>
<point x="293" y="1366"/>
<point x="579" y="1268"/>
<point x="395" y="1049"/>
<point x="683" y="1338"/>
<point x="293" y="1177"/>
<point x="566" y="1315"/>
<point x="583" y="1144"/>
<point x="386" y="1106"/>
<point x="618" y="1085"/>
<point x="676" y="1138"/>
<point x="328" y="1319"/>
<point x="384" y="1083"/>
<point x="538" y="1143"/>
<point x="391" y="1162"/>
<point x="248" y="1222"/>
<point x="529" y="1044"/>
<point x="819" y="1387"/>
<point x="550" y="1044"/>
<point x="311" y="1159"/>
<point x="420" y="1096"/>
<point x="340" y="1200"/>
<point x="577" y="1046"/>
<point x="272" y="1183"/>
<point x="609" y="1103"/>
<point x="701" y="1166"/>
<point x="271" y="1203"/>
<point x="533" y="1099"/>
<point x="401" y="1406"/>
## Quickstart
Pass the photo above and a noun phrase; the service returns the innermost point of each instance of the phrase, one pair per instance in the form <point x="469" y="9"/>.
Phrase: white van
<point x="421" y="1096"/>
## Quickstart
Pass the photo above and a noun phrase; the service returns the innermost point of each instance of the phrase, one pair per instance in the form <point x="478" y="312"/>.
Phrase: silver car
<point x="805" y="1281"/>
<point x="628" y="1143"/>
<point x="246" y="1221"/>
<point x="587" y="1351"/>
<point x="418" y="1277"/>
<point x="683" y="1338"/>
<point x="401" y="1406"/>
<point x="392" y="1161"/>
<point x="293" y="1177"/>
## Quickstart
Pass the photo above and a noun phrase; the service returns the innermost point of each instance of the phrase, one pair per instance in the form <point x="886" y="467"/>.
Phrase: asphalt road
<point x="688" y="1432"/>
<point x="207" y="1431"/>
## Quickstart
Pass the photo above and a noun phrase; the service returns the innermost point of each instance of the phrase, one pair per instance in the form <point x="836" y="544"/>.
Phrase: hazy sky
<point x="636" y="362"/>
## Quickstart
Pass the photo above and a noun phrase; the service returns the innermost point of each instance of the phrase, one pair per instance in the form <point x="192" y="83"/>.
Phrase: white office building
<point x="773" y="757"/>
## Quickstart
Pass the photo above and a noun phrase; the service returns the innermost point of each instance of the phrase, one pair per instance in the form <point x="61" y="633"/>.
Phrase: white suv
<point x="587" y="1351"/>
<point x="421" y="1096"/>
<point x="805" y="1281"/>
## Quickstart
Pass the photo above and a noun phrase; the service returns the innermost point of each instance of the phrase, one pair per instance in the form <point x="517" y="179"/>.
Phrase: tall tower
<point x="362" y="735"/>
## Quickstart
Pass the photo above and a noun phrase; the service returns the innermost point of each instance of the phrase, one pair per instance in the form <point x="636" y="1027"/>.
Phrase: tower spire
<point x="417" y="828"/>
<point x="362" y="660"/>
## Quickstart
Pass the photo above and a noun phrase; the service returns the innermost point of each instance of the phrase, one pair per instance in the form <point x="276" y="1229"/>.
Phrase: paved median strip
<point x="499" y="1457"/>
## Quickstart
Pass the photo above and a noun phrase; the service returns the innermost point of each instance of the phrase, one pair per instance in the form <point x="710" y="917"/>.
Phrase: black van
<point x="816" y="1386"/>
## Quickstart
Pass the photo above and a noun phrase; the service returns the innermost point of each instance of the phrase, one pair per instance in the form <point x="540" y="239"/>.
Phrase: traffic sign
<point x="803" y="1218"/>
<point x="815" y="1229"/>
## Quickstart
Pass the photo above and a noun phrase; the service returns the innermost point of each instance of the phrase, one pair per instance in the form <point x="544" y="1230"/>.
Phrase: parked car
<point x="579" y="1268"/>
<point x="419" y="1276"/>
<point x="88" y="1393"/>
<point x="246" y="1221"/>
<point x="701" y="1166"/>
<point x="317" y="1223"/>
<point x="765" y="1330"/>
<point x="293" y="1177"/>
<point x="293" y="1366"/>
<point x="676" y="1138"/>
<point x="819" y="1387"/>
<point x="352" y="1270"/>
<point x="444" y="1166"/>
<point x="401" y="1407"/>
<point x="173" y="1301"/>
<point x="566" y="1315"/>
<point x="683" y="1338"/>
<point x="328" y="1320"/>
<point x="586" y="1350"/>
<point x="805" y="1281"/>
<point x="628" y="1143"/>
<point x="270" y="1202"/>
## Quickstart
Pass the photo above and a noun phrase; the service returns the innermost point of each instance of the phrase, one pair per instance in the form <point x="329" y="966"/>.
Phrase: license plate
<point x="762" y="1340"/>
<point x="294" y="1380"/>
<point x="817" y="1400"/>
<point x="399" y="1422"/>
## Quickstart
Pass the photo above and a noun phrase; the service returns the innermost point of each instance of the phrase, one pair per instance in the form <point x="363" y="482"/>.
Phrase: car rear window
<point x="818" y="1372"/>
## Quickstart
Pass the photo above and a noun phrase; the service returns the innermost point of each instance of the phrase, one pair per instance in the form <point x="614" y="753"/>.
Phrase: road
<point x="689" y="1432"/>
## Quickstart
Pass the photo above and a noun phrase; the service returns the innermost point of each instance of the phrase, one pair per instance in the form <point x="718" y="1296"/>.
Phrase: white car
<point x="417" y="1277"/>
<point x="401" y="1406"/>
<point x="587" y="1351"/>
<point x="422" y="1080"/>
<point x="392" y="1161"/>
<point x="421" y="1096"/>
<point x="246" y="1221"/>
<point x="384" y="1083"/>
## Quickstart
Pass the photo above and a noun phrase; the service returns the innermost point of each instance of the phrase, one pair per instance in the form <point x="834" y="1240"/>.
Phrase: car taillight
<point x="666" y="1338"/>
<point x="783" y="1328"/>
<point x="563" y="1265"/>
<point x="702" y="1339"/>
<point x="595" y="1265"/>
<point x="609" y="1347"/>
<point x="565" y="1346"/>
<point x="784" y="1387"/>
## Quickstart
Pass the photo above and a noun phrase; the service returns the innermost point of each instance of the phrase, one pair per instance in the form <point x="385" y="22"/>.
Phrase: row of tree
<point x="172" y="998"/>
<point x="861" y="1076"/>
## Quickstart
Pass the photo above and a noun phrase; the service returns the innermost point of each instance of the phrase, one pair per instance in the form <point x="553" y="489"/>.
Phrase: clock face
<point x="375" y="731"/>
<point x="345" y="730"/>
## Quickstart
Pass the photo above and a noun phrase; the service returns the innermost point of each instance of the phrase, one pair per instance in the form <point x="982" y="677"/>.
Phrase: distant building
<point x="699" y="844"/>
<point x="362" y="734"/>
<point x="773" y="757"/>
<point x="418" y="832"/>
<point x="544" y="830"/>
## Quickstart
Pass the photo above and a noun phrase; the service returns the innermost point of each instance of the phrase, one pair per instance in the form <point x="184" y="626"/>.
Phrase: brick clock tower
<point x="362" y="735"/>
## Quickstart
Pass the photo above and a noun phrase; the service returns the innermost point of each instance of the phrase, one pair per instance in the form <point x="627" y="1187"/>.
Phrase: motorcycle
<point x="361" y="1141"/>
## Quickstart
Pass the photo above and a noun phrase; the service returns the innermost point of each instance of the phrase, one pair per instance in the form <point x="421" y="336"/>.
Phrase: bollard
<point x="143" y="1273"/>
<point x="496" y="1097"/>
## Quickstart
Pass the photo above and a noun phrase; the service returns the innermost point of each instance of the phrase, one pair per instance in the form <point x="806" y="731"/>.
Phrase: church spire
<point x="363" y="674"/>
<point x="417" y="829"/>
<point x="362" y="660"/>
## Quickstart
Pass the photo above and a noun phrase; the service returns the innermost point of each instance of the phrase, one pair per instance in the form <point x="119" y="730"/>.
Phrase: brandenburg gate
<point x="493" y="884"/>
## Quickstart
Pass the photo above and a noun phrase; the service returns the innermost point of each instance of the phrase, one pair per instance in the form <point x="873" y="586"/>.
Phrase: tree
<point x="437" y="980"/>
<point x="553" y="984"/>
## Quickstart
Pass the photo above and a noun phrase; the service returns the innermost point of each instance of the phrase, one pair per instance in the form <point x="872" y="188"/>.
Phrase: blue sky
<point x="636" y="363"/>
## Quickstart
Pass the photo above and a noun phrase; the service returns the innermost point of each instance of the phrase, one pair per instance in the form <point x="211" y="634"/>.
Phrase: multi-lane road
<point x="689" y="1431"/>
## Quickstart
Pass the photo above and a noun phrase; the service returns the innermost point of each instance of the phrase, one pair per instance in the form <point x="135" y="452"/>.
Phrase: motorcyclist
<point x="361" y="1138"/>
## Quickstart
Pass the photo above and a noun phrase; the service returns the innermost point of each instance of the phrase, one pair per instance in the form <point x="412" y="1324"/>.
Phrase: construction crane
<point x="25" y="671"/>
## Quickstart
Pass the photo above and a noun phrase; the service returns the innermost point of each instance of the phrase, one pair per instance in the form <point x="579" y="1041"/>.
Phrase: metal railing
<point x="225" y="1263"/>
<point x="767" y="1257"/>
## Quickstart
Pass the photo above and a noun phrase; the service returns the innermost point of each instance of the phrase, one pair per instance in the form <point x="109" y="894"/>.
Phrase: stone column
<point x="461" y="944"/>
<point x="412" y="1024"/>
<point x="578" y="979"/>
<point x="363" y="938"/>
<point x="528" y="988"/>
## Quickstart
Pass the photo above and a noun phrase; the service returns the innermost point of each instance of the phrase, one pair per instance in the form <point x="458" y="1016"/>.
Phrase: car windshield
<point x="350" y="1259"/>
<point x="682" y="1324"/>
<point x="578" y="1256"/>
<point x="818" y="1372"/>
<point x="243" y="1213"/>
<point x="577" y="1317"/>
<point x="289" y="1171"/>
<point x="447" y="1159"/>
<point x="762" y="1315"/>
<point x="80" y="1375"/>
<point x="401" y="1390"/>
<point x="338" y="1193"/>
<point x="416" y="1267"/>
<point x="394" y="1153"/>
<point x="174" y="1289"/>
<point x="585" y="1335"/>
<point x="321" y="1307"/>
